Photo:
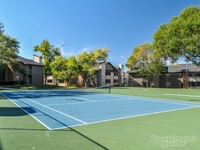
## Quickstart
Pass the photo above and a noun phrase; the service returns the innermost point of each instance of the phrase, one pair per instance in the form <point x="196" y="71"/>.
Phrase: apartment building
<point x="33" y="72"/>
<point x="176" y="76"/>
<point x="107" y="74"/>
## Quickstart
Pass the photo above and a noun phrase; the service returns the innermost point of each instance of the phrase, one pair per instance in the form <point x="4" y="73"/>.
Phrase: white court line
<point x="184" y="95"/>
<point x="78" y="98"/>
<point x="57" y="111"/>
<point x="154" y="99"/>
<point x="134" y="98"/>
<point x="166" y="101"/>
<point x="133" y="116"/>
<point x="27" y="112"/>
<point x="100" y="101"/>
<point x="85" y="99"/>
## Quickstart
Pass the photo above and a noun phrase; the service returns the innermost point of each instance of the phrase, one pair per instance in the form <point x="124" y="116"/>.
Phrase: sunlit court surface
<point x="125" y="118"/>
<point x="58" y="109"/>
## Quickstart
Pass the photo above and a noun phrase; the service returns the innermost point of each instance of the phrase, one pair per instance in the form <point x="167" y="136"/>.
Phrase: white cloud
<point x="122" y="57"/>
<point x="86" y="49"/>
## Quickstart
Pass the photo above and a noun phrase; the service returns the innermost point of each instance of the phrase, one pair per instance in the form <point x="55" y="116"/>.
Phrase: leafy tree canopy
<point x="180" y="37"/>
<point x="9" y="48"/>
<point x="49" y="52"/>
<point x="87" y="61"/>
<point x="144" y="60"/>
<point x="59" y="68"/>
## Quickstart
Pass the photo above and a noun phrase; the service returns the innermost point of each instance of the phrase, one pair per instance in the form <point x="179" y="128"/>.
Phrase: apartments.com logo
<point x="172" y="140"/>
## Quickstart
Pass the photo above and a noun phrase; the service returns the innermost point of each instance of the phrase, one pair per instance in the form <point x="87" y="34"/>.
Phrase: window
<point x="30" y="67"/>
<point x="49" y="81"/>
<point x="167" y="77"/>
<point x="115" y="81"/>
<point x="115" y="74"/>
<point x="198" y="74"/>
<point x="107" y="80"/>
<point x="30" y="79"/>
<point x="107" y="73"/>
<point x="190" y="75"/>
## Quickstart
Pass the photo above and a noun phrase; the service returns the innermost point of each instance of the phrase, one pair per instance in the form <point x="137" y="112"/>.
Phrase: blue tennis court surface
<point x="57" y="109"/>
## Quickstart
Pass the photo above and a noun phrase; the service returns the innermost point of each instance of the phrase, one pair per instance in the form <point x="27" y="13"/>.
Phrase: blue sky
<point x="78" y="25"/>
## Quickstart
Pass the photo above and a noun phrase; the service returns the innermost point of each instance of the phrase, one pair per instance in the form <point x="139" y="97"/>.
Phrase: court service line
<point x="57" y="111"/>
<point x="27" y="112"/>
<point x="134" y="99"/>
<point x="85" y="99"/>
<point x="101" y="101"/>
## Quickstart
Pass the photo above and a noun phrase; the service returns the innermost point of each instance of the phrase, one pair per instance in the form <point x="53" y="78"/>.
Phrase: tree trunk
<point x="85" y="82"/>
<point x="66" y="83"/>
<point x="45" y="79"/>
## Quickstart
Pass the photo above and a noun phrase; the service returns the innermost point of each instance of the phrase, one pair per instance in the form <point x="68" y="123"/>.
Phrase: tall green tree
<point x="87" y="61"/>
<point x="60" y="69"/>
<point x="48" y="52"/>
<point x="73" y="67"/>
<point x="180" y="37"/>
<point x="9" y="48"/>
<point x="145" y="62"/>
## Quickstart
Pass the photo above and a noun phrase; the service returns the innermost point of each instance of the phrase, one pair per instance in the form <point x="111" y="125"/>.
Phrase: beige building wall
<point x="115" y="74"/>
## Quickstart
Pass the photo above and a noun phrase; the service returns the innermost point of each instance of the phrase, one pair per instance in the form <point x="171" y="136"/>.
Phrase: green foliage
<point x="83" y="64"/>
<point x="87" y="61"/>
<point x="144" y="60"/>
<point x="139" y="56"/>
<point x="49" y="52"/>
<point x="73" y="67"/>
<point x="19" y="68"/>
<point x="9" y="47"/>
<point x="180" y="37"/>
<point x="1" y="28"/>
<point x="59" y="68"/>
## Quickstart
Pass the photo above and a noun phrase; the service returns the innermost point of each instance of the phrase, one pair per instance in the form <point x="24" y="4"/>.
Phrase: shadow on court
<point x="46" y="94"/>
<point x="15" y="111"/>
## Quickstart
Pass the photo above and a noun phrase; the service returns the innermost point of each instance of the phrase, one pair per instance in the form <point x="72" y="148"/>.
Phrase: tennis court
<point x="57" y="109"/>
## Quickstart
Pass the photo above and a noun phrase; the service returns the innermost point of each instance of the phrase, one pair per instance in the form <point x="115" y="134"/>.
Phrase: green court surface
<point x="19" y="131"/>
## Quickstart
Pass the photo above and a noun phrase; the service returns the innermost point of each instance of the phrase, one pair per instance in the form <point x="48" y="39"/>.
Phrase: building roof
<point x="184" y="68"/>
<point x="114" y="68"/>
<point x="132" y="71"/>
<point x="28" y="61"/>
<point x="99" y="66"/>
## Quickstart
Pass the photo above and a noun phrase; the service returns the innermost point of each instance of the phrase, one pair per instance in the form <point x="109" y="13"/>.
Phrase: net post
<point x="109" y="88"/>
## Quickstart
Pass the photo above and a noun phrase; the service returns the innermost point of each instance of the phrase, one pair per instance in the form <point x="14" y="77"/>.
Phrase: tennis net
<point x="100" y="89"/>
